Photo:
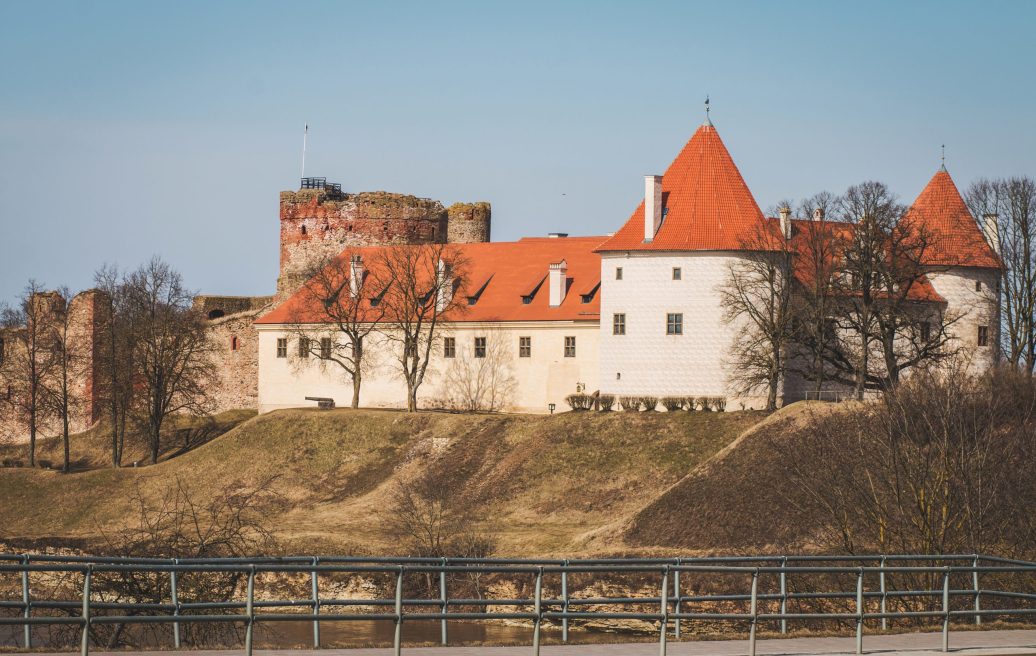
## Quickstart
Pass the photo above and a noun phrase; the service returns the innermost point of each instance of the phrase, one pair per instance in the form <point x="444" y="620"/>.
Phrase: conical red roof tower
<point x="958" y="241"/>
<point x="706" y="204"/>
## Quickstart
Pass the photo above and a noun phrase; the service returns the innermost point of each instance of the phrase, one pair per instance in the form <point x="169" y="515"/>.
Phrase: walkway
<point x="966" y="643"/>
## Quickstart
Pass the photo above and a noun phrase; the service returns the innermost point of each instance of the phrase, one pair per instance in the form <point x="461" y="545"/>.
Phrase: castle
<point x="637" y="312"/>
<point x="634" y="313"/>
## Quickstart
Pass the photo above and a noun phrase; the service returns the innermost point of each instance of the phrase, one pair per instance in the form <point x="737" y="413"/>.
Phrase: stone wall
<point x="468" y="223"/>
<point x="315" y="224"/>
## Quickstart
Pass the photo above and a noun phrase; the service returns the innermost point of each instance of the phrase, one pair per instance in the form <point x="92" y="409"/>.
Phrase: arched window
<point x="233" y="343"/>
<point x="303" y="229"/>
<point x="215" y="314"/>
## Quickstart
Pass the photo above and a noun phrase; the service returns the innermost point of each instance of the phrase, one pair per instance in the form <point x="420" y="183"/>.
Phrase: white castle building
<point x="634" y="313"/>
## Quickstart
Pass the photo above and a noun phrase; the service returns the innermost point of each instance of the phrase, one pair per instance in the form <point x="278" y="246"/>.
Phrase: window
<point x="677" y="273"/>
<point x="525" y="347"/>
<point x="978" y="285"/>
<point x="303" y="347"/>
<point x="325" y="347"/>
<point x="926" y="331"/>
<point x="282" y="347"/>
<point x="233" y="343"/>
<point x="618" y="273"/>
<point x="480" y="347"/>
<point x="570" y="347"/>
<point x="983" y="335"/>
<point x="618" y="324"/>
<point x="303" y="229"/>
<point x="449" y="347"/>
<point x="674" y="324"/>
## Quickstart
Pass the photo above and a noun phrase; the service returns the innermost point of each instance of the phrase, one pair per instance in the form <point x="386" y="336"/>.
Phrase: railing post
<point x="977" y="589"/>
<point x="538" y="610"/>
<point x="249" y="610"/>
<point x="664" y="612"/>
<point x="445" y="600"/>
<point x="315" y="585"/>
<point x="754" y="611"/>
<point x="84" y="645"/>
<point x="946" y="609"/>
<point x="859" y="612"/>
<point x="678" y="594"/>
<point x="564" y="602"/>
<point x="397" y="640"/>
<point x="884" y="595"/>
<point x="27" y="611"/>
<point x="784" y="594"/>
<point x="174" y="596"/>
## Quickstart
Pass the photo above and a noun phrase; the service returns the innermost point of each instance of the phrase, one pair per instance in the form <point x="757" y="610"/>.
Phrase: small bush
<point x="579" y="402"/>
<point x="605" y="402"/>
<point x="672" y="403"/>
<point x="689" y="403"/>
<point x="721" y="403"/>
<point x="45" y="464"/>
<point x="705" y="403"/>
<point x="629" y="403"/>
<point x="650" y="403"/>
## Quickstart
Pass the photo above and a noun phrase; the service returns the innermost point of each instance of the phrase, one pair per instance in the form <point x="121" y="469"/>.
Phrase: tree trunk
<point x="356" y="388"/>
<point x="64" y="435"/>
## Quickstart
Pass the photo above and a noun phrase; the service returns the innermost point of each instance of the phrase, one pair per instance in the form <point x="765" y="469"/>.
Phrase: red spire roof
<point x="705" y="202"/>
<point x="959" y="241"/>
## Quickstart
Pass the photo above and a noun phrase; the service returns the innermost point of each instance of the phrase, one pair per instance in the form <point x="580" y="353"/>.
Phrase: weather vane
<point x="944" y="157"/>
<point x="708" y="119"/>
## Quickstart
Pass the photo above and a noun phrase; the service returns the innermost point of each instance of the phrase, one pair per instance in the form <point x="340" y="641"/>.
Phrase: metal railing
<point x="761" y="591"/>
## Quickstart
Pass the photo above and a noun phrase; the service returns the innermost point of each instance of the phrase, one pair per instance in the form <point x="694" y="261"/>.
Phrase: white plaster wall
<point x="975" y="308"/>
<point x="545" y="377"/>
<point x="646" y="361"/>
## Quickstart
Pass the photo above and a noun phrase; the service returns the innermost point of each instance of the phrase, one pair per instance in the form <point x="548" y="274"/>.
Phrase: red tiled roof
<point x="959" y="241"/>
<point x="507" y="270"/>
<point x="706" y="203"/>
<point x="803" y="255"/>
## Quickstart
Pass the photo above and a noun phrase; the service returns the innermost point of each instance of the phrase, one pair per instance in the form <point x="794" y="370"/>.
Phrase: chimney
<point x="355" y="275"/>
<point x="818" y="214"/>
<point x="445" y="293"/>
<point x="558" y="282"/>
<point x="786" y="221"/>
<point x="652" y="205"/>
<point x="991" y="231"/>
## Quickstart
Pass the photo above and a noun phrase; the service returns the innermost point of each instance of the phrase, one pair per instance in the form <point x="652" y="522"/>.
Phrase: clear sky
<point x="130" y="129"/>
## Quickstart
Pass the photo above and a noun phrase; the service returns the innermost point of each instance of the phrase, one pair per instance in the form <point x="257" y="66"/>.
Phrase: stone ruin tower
<point x="320" y="220"/>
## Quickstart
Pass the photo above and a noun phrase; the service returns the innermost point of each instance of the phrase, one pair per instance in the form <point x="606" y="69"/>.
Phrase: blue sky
<point x="136" y="128"/>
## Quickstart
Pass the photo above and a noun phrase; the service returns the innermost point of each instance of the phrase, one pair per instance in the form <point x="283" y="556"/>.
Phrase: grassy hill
<point x="564" y="484"/>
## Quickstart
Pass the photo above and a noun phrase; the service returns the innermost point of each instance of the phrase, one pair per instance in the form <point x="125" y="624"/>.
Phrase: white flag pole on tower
<point x="305" y="133"/>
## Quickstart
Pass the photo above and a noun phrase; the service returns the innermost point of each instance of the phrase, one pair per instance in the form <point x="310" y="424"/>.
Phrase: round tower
<point x="469" y="223"/>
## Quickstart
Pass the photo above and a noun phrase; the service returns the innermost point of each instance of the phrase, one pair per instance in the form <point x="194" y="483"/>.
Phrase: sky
<point x="132" y="129"/>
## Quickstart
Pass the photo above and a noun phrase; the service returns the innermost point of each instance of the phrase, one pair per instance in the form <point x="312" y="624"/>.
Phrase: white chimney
<point x="991" y="231"/>
<point x="355" y="275"/>
<point x="818" y="214"/>
<point x="558" y="282"/>
<point x="786" y="221"/>
<point x="652" y="205"/>
<point x="445" y="292"/>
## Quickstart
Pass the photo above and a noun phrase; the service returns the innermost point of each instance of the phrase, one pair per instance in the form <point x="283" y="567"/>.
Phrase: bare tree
<point x="1011" y="204"/>
<point x="818" y="243"/>
<point x="339" y="290"/>
<point x="116" y="355"/>
<point x="757" y="295"/>
<point x="173" y="367"/>
<point x="479" y="382"/>
<point x="30" y="359"/>
<point x="420" y="290"/>
<point x="884" y="323"/>
<point x="67" y="358"/>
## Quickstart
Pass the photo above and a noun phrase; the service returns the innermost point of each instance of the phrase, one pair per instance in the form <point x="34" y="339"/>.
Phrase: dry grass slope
<point x="540" y="484"/>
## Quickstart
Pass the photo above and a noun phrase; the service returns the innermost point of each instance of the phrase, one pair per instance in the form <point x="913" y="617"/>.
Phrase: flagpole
<point x="305" y="133"/>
